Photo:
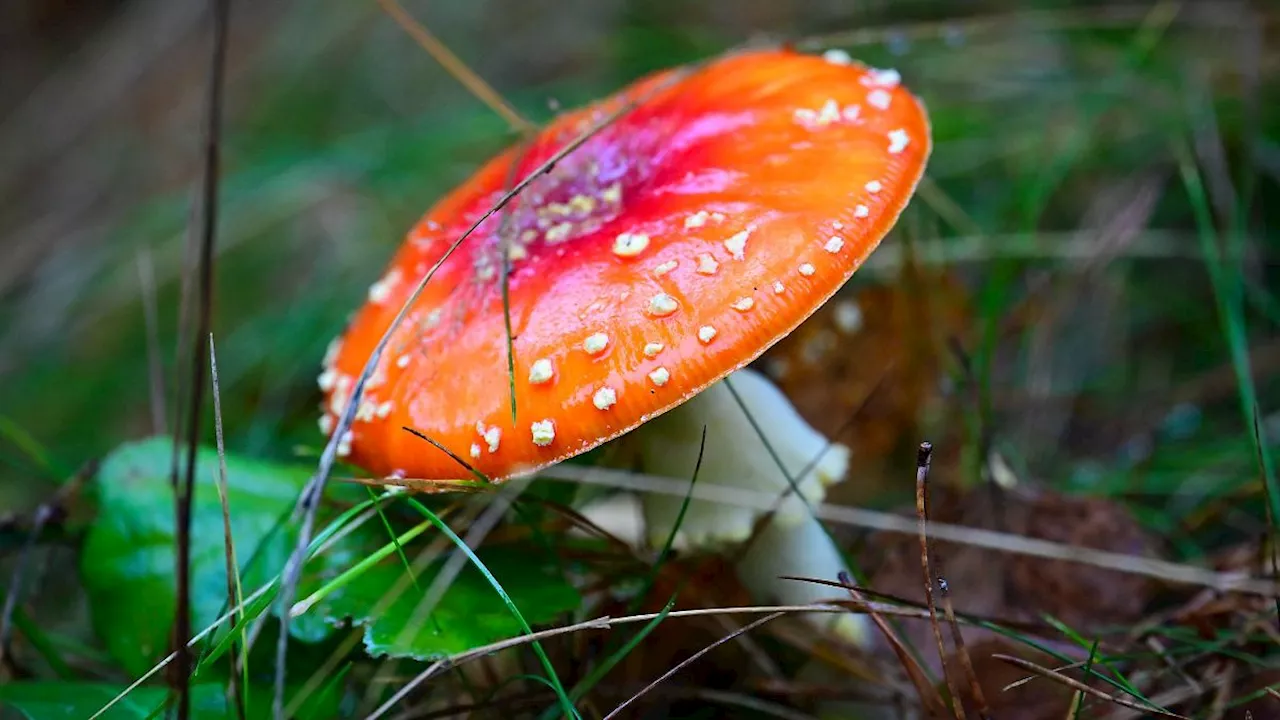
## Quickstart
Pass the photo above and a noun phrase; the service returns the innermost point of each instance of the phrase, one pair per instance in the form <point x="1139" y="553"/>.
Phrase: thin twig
<point x="923" y="457"/>
<point x="235" y="593"/>
<point x="220" y="11"/>
<point x="957" y="637"/>
<point x="607" y="623"/>
<point x="929" y="696"/>
<point x="922" y="612"/>
<point x="1160" y="570"/>
<point x="458" y="69"/>
<point x="692" y="658"/>
<point x="598" y="623"/>
<point x="962" y="651"/>
<point x="1081" y="687"/>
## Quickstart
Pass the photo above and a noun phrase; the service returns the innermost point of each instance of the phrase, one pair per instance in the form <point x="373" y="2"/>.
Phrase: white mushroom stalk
<point x="739" y="456"/>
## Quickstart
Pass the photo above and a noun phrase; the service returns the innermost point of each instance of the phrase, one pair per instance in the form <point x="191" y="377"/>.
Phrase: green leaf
<point x="128" y="560"/>
<point x="77" y="701"/>
<point x="468" y="615"/>
<point x="128" y="566"/>
<point x="346" y="540"/>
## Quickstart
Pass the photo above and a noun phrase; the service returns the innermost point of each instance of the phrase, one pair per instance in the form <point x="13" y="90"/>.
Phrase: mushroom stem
<point x="783" y="449"/>
<point x="800" y="549"/>
<point x="736" y="454"/>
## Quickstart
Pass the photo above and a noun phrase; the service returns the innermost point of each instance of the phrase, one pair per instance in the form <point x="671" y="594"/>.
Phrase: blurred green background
<point x="1058" y="131"/>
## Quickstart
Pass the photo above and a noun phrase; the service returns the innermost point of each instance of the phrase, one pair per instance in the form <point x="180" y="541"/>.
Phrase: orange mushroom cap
<point x="670" y="249"/>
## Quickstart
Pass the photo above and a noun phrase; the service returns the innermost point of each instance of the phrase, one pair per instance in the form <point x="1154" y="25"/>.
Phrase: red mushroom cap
<point x="670" y="249"/>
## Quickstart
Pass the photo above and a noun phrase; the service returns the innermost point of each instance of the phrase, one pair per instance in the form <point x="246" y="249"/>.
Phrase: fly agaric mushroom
<point x="669" y="250"/>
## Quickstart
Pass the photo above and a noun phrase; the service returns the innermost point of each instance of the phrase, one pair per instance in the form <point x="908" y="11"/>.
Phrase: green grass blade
<point x="386" y="524"/>
<point x="1094" y="659"/>
<point x="31" y="448"/>
<point x="1088" y="668"/>
<point x="256" y="607"/>
<point x="1225" y="279"/>
<point x="565" y="703"/>
<point x="651" y="577"/>
<point x="597" y="673"/>
<point x="359" y="568"/>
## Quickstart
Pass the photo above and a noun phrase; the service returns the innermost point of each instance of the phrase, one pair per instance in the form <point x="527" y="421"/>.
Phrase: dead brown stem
<point x="1081" y="687"/>
<point x="929" y="696"/>
<point x="923" y="457"/>
<point x="692" y="658"/>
